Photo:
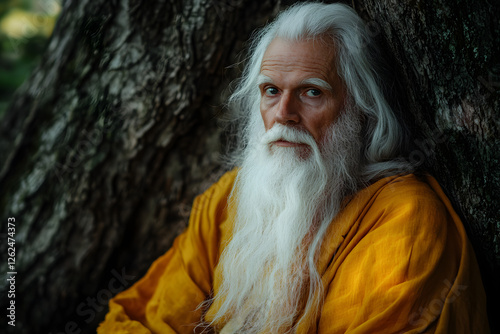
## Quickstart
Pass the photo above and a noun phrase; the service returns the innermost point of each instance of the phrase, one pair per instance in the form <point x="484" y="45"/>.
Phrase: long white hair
<point x="269" y="277"/>
<point x="358" y="63"/>
<point x="284" y="204"/>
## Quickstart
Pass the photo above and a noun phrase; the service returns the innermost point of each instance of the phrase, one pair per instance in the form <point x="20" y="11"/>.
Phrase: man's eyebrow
<point x="262" y="79"/>
<point x="317" y="82"/>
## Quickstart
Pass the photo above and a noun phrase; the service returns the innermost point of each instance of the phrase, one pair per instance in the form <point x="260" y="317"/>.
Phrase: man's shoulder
<point x="217" y="194"/>
<point x="401" y="216"/>
<point x="414" y="201"/>
<point x="210" y="209"/>
<point x="408" y="188"/>
<point x="224" y="185"/>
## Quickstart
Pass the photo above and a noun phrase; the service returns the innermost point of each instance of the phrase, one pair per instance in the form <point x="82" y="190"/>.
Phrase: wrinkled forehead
<point x="307" y="46"/>
<point x="306" y="55"/>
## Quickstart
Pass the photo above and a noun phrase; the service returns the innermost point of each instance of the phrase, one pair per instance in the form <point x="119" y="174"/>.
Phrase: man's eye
<point x="271" y="91"/>
<point x="313" y="92"/>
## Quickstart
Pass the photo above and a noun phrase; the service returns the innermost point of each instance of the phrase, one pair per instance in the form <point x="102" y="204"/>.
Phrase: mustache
<point x="287" y="133"/>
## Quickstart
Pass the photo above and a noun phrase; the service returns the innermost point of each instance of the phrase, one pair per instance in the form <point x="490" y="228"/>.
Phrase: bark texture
<point x="449" y="54"/>
<point x="105" y="147"/>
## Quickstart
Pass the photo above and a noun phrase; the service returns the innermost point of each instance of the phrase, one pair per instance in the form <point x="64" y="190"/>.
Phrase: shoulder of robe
<point x="404" y="256"/>
<point x="403" y="228"/>
<point x="217" y="192"/>
<point x="408" y="207"/>
<point x="210" y="210"/>
<point x="407" y="188"/>
<point x="409" y="194"/>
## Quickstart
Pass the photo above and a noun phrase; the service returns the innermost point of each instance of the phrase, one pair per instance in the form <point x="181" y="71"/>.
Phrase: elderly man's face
<point x="300" y="87"/>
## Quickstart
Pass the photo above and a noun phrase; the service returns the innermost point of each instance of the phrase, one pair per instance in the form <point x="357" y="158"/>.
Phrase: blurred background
<point x="25" y="27"/>
<point x="118" y="130"/>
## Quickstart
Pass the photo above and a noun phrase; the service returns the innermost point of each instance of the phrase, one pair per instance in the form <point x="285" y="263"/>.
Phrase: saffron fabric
<point x="395" y="260"/>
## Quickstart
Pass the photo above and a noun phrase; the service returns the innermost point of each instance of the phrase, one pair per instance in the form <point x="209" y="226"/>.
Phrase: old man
<point x="324" y="227"/>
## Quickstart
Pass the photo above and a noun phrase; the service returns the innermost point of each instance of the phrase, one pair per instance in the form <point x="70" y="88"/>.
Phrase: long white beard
<point x="285" y="201"/>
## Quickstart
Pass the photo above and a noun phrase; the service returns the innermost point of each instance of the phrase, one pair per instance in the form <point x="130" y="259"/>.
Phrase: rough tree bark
<point x="106" y="145"/>
<point x="449" y="53"/>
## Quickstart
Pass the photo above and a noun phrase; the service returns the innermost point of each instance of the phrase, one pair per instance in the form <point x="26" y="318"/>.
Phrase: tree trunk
<point x="106" y="145"/>
<point x="449" y="54"/>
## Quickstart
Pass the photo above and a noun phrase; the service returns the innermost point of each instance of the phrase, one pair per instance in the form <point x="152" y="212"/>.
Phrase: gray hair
<point x="358" y="65"/>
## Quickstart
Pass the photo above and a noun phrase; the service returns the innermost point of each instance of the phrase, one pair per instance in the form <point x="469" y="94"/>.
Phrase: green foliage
<point x="25" y="26"/>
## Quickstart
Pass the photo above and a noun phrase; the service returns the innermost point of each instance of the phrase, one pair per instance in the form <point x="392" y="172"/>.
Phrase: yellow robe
<point x="395" y="260"/>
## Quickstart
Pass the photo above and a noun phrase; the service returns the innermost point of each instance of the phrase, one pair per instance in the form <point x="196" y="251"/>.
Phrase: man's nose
<point x="288" y="110"/>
